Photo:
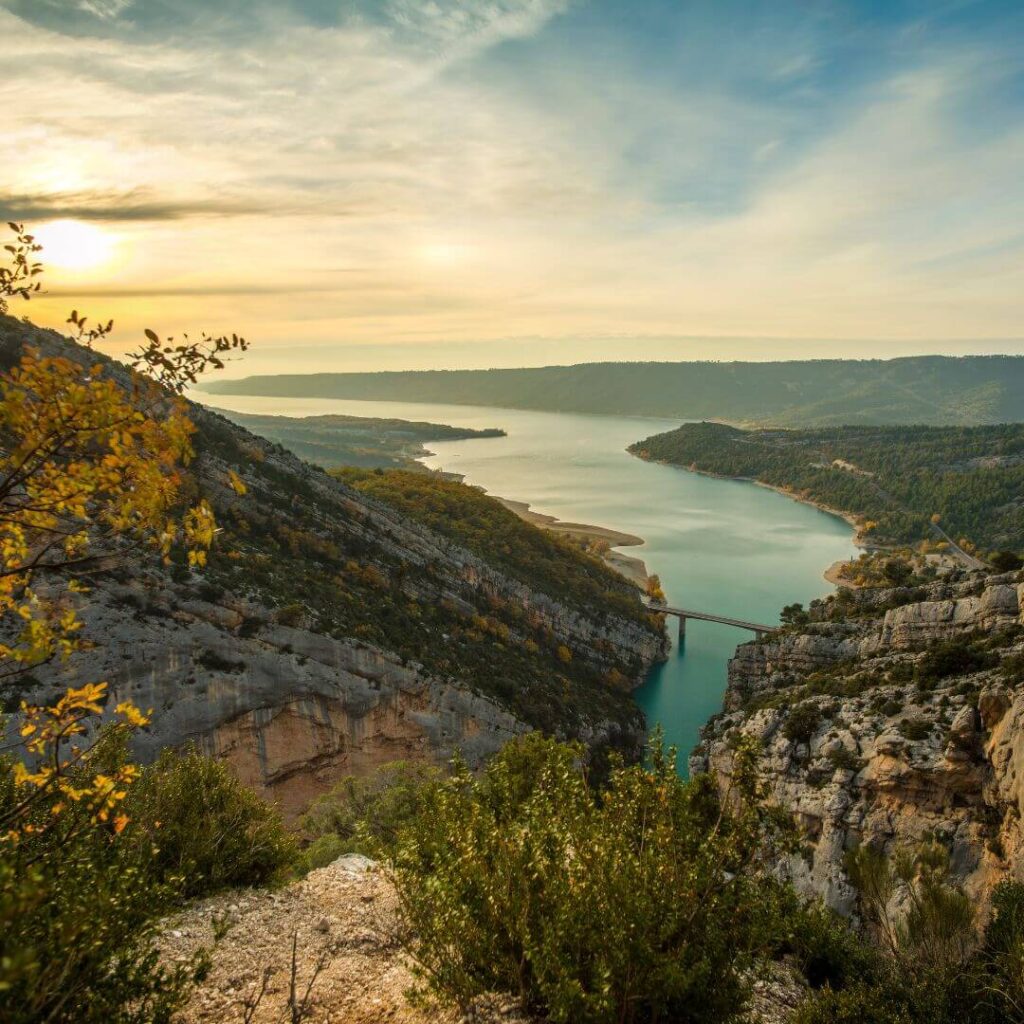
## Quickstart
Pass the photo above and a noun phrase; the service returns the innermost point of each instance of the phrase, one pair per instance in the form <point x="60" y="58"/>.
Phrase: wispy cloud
<point x="515" y="168"/>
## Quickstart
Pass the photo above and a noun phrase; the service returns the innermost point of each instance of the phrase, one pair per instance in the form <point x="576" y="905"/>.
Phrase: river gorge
<point x="722" y="546"/>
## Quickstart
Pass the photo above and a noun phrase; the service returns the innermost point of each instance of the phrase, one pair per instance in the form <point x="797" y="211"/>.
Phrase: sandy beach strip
<point x="632" y="568"/>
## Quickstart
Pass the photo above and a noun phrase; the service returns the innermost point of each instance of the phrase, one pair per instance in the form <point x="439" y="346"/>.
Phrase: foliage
<point x="1006" y="561"/>
<point x="904" y="480"/>
<point x="794" y="615"/>
<point x="802" y="722"/>
<point x="538" y="558"/>
<point x="901" y="567"/>
<point x="1002" y="954"/>
<point x="77" y="898"/>
<point x="86" y="469"/>
<point x="365" y="814"/>
<point x="935" y="968"/>
<point x="91" y="467"/>
<point x="643" y="902"/>
<point x="957" y="656"/>
<point x="209" y="832"/>
<point x="858" y="1004"/>
<point x="914" y="729"/>
<point x="20" y="279"/>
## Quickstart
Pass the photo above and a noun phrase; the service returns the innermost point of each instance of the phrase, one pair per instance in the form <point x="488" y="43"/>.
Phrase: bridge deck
<point x="689" y="613"/>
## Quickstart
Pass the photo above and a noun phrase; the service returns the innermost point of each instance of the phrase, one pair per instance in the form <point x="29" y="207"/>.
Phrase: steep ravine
<point x="891" y="716"/>
<point x="330" y="633"/>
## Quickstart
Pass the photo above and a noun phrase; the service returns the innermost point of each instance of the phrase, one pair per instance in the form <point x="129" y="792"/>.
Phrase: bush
<point x="914" y="729"/>
<point x="953" y="658"/>
<point x="292" y="614"/>
<point x="364" y="815"/>
<point x="860" y="1004"/>
<point x="846" y="759"/>
<point x="77" y="918"/>
<point x="637" y="904"/>
<point x="208" y="831"/>
<point x="801" y="723"/>
<point x="1006" y="561"/>
<point x="824" y="947"/>
<point x="1003" y="953"/>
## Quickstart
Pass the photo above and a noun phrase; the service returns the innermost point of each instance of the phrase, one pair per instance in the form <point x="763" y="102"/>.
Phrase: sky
<point x="430" y="183"/>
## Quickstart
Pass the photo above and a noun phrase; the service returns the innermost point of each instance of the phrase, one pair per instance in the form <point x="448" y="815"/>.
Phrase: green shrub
<point x="1002" y="955"/>
<point x="291" y="614"/>
<point x="364" y="815"/>
<point x="914" y="729"/>
<point x="1012" y="668"/>
<point x="801" y="723"/>
<point x="207" y="830"/>
<point x="846" y="759"/>
<point x="959" y="656"/>
<point x="77" y="920"/>
<point x="637" y="904"/>
<point x="825" y="948"/>
<point x="218" y="663"/>
<point x="860" y="1004"/>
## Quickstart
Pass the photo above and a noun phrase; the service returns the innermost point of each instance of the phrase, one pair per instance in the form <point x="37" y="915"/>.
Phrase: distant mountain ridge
<point x="937" y="390"/>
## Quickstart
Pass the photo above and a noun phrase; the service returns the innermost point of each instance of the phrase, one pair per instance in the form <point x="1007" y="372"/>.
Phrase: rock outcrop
<point x="892" y="716"/>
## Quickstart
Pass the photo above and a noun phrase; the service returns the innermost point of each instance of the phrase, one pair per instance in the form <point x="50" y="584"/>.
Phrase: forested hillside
<point x="822" y="392"/>
<point x="487" y="528"/>
<point x="972" y="479"/>
<point x="333" y="440"/>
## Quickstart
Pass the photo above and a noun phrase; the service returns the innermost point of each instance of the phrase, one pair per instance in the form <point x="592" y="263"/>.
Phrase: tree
<point x="92" y="468"/>
<point x="794" y="615"/>
<point x="1006" y="561"/>
<point x="897" y="572"/>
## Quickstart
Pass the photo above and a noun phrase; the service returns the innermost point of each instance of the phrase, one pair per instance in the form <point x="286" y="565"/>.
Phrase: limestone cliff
<point x="330" y="633"/>
<point x="891" y="715"/>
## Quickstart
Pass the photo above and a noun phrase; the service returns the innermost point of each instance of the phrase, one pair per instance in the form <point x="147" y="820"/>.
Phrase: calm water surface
<point x="718" y="545"/>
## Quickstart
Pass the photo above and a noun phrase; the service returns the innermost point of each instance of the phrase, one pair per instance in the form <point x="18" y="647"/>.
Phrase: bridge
<point x="683" y="614"/>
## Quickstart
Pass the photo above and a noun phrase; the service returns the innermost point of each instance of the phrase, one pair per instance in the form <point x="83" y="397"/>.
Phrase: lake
<point x="722" y="546"/>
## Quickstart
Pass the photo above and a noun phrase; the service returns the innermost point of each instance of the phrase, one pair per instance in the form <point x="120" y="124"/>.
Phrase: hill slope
<point x="897" y="477"/>
<point x="331" y="632"/>
<point x="922" y="389"/>
<point x="366" y="441"/>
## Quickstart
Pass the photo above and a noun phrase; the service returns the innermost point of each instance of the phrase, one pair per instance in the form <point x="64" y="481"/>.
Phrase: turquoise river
<point x="723" y="546"/>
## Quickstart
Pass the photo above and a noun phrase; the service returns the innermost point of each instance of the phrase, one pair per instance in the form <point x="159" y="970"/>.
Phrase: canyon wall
<point x="892" y="716"/>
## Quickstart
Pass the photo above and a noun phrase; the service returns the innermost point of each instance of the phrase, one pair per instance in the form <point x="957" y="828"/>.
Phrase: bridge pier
<point x="682" y="630"/>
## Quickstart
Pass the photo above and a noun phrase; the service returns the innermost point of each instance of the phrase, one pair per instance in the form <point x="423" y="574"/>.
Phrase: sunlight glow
<point x="74" y="245"/>
<point x="445" y="254"/>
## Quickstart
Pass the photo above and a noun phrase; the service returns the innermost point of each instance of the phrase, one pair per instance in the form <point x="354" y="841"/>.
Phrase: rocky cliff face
<point x="331" y="634"/>
<point x="892" y="715"/>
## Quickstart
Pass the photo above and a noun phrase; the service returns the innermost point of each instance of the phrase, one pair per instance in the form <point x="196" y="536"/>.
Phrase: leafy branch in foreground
<point x="92" y="468"/>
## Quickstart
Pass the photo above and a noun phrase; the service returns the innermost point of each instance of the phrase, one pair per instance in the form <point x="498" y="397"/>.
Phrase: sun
<point x="73" y="245"/>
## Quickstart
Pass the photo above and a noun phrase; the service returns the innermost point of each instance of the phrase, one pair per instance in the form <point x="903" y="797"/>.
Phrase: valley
<point x="700" y="535"/>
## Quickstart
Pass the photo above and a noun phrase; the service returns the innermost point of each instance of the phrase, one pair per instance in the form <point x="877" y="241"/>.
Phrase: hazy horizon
<point x="240" y="370"/>
<point x="412" y="184"/>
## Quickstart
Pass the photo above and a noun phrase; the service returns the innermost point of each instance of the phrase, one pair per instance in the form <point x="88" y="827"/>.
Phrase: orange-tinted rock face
<point x="293" y="753"/>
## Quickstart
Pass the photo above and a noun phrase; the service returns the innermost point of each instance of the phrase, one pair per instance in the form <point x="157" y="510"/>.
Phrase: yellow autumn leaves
<point x="55" y="762"/>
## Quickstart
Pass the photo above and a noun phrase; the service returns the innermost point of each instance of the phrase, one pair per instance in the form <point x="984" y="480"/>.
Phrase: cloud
<point x="523" y="167"/>
<point x="137" y="205"/>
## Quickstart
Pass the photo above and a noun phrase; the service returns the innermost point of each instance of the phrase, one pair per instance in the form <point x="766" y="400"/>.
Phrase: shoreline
<point x="629" y="566"/>
<point x="634" y="569"/>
